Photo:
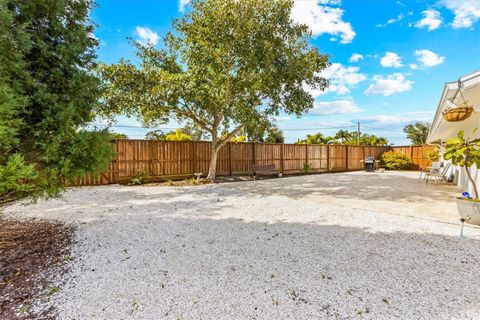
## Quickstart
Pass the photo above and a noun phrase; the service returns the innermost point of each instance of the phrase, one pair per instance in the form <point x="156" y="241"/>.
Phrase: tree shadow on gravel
<point x="355" y="185"/>
<point x="232" y="269"/>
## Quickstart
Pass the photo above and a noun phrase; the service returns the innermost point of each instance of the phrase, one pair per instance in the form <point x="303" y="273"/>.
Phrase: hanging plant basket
<point x="458" y="114"/>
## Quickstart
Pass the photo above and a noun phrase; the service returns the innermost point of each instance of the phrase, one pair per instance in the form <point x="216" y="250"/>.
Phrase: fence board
<point x="170" y="159"/>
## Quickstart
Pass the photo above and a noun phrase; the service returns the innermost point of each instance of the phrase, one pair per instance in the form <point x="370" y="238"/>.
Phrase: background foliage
<point x="345" y="137"/>
<point x="418" y="132"/>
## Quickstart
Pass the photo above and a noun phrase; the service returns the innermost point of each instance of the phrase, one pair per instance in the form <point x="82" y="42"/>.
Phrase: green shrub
<point x="396" y="160"/>
<point x="433" y="155"/>
<point x="16" y="178"/>
<point x="307" y="167"/>
<point x="138" y="178"/>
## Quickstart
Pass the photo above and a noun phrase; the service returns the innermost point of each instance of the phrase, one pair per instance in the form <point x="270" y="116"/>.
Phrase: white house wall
<point x="462" y="179"/>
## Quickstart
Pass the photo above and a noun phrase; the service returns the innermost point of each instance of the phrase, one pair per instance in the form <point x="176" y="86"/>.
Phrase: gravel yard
<point x="333" y="246"/>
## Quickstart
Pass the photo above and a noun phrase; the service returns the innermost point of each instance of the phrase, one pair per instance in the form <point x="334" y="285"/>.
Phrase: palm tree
<point x="343" y="136"/>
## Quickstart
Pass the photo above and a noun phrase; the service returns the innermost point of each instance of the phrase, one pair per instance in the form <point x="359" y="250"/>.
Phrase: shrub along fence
<point x="417" y="153"/>
<point x="179" y="159"/>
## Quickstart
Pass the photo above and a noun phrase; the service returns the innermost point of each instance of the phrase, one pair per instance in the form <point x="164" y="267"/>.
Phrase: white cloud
<point x="428" y="58"/>
<point x="391" y="21"/>
<point x="322" y="18"/>
<point x="146" y="35"/>
<point x="335" y="107"/>
<point x="355" y="57"/>
<point x="341" y="79"/>
<point x="431" y="20"/>
<point x="182" y="4"/>
<point x="389" y="85"/>
<point x="401" y="118"/>
<point x="466" y="12"/>
<point x="413" y="66"/>
<point x="391" y="59"/>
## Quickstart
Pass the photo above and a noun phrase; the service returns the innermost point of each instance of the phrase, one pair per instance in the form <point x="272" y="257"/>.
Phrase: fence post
<point x="194" y="150"/>
<point x="116" y="167"/>
<point x="282" y="162"/>
<point x="230" y="158"/>
<point x="254" y="155"/>
<point x="328" y="158"/>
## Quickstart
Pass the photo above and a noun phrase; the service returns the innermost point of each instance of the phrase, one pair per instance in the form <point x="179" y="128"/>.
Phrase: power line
<point x="126" y="126"/>
<point x="168" y="128"/>
<point x="129" y="126"/>
<point x="383" y="129"/>
<point x="319" y="128"/>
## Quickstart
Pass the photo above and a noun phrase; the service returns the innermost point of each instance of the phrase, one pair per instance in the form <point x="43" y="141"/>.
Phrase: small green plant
<point x="169" y="182"/>
<point x="396" y="160"/>
<point x="307" y="167"/>
<point x="23" y="310"/>
<point x="138" y="178"/>
<point x="433" y="155"/>
<point x="191" y="181"/>
<point x="53" y="290"/>
<point x="464" y="152"/>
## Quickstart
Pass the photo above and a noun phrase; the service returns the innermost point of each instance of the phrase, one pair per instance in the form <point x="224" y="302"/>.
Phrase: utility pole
<point x="358" y="133"/>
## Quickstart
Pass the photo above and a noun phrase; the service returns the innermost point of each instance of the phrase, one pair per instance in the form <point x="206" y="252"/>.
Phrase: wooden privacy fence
<point x="177" y="159"/>
<point x="417" y="153"/>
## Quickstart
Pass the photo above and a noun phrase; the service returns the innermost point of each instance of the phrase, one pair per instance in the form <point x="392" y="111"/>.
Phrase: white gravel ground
<point x="290" y="248"/>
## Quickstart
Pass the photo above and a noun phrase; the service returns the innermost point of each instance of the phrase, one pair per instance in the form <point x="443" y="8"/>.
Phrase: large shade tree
<point x="47" y="95"/>
<point x="227" y="65"/>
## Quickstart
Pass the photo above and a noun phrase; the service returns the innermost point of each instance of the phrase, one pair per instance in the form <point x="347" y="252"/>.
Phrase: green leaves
<point x="396" y="160"/>
<point x="418" y="132"/>
<point x="345" y="137"/>
<point x="47" y="94"/>
<point x="16" y="176"/>
<point x="462" y="151"/>
<point x="226" y="64"/>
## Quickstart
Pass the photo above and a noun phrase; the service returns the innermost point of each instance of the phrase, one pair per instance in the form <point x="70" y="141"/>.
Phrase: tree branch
<point x="193" y="117"/>
<point x="222" y="142"/>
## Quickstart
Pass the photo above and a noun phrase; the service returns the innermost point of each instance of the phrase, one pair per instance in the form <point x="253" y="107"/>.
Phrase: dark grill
<point x="369" y="164"/>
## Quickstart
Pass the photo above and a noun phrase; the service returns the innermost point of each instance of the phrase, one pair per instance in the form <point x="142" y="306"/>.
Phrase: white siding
<point x="462" y="179"/>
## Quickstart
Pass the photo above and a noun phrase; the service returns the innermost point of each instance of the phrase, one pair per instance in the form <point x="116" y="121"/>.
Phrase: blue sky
<point x="389" y="58"/>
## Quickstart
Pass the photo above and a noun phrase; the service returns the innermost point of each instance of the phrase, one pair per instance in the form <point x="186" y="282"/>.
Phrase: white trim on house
<point x="470" y="91"/>
<point x="441" y="130"/>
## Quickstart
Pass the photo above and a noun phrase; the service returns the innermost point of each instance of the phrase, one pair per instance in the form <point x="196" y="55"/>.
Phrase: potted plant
<point x="280" y="172"/>
<point x="459" y="113"/>
<point x="465" y="152"/>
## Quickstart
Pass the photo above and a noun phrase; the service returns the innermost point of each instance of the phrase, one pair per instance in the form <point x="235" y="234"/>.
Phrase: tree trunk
<point x="474" y="185"/>
<point x="212" y="170"/>
<point x="215" y="147"/>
